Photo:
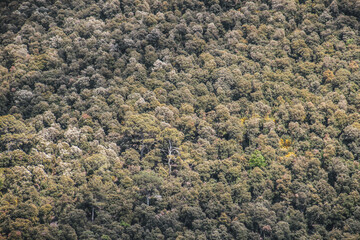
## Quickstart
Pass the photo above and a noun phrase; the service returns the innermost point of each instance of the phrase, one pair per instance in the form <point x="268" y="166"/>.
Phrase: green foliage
<point x="257" y="160"/>
<point x="14" y="134"/>
<point x="181" y="119"/>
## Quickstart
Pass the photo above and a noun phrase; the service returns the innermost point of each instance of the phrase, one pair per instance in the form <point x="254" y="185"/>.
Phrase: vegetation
<point x="179" y="119"/>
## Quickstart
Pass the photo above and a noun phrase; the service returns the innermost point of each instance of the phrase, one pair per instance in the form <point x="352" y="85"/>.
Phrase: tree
<point x="170" y="140"/>
<point x="257" y="160"/>
<point x="140" y="132"/>
<point x="14" y="134"/>
<point x="149" y="184"/>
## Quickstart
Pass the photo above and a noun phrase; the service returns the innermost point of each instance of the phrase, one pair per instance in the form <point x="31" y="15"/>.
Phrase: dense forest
<point x="179" y="119"/>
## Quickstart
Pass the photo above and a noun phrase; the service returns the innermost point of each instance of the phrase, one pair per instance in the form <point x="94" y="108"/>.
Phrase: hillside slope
<point x="179" y="119"/>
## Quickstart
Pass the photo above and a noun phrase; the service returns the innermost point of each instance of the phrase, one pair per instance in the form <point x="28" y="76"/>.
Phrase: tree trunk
<point x="169" y="163"/>
<point x="142" y="148"/>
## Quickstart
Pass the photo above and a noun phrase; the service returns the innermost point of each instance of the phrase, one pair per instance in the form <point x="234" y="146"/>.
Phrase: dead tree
<point x="172" y="152"/>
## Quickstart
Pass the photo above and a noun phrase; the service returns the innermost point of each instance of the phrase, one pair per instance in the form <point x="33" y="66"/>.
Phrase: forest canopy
<point x="179" y="119"/>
